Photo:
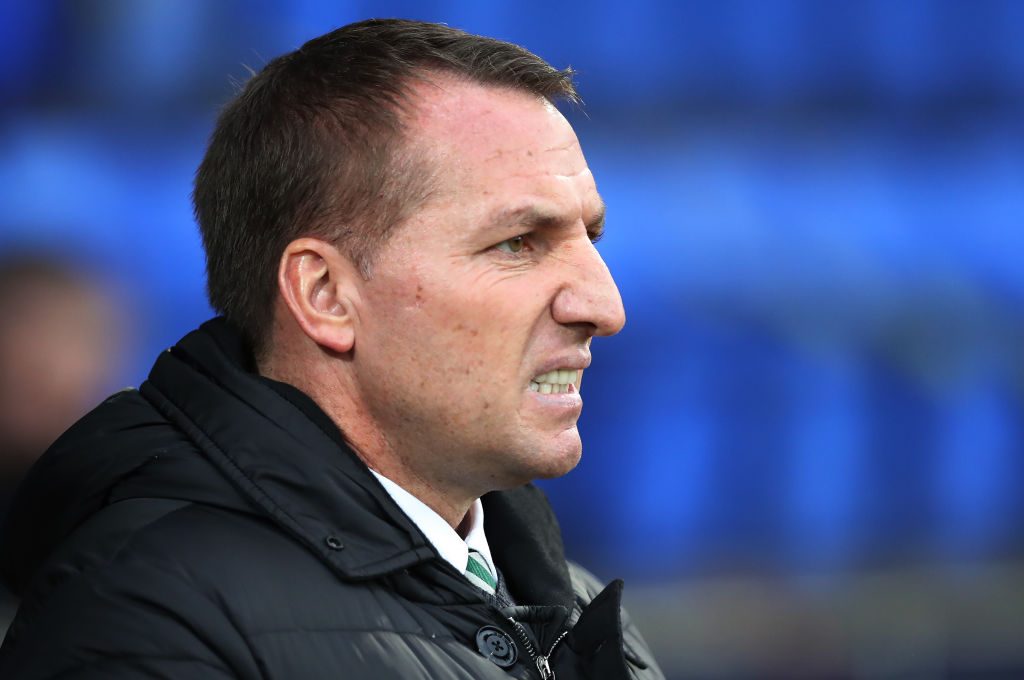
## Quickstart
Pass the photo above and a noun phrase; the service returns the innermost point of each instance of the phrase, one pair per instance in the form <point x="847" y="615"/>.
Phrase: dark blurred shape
<point x="58" y="338"/>
<point x="59" y="335"/>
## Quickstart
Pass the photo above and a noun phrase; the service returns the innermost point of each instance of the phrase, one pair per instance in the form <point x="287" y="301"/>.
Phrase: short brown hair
<point x="313" y="146"/>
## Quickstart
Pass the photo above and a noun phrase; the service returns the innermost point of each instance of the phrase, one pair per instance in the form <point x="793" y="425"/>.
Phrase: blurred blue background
<point x="816" y="219"/>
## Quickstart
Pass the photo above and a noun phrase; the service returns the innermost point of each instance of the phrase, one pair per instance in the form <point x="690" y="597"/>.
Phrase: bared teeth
<point x="563" y="376"/>
<point x="558" y="381"/>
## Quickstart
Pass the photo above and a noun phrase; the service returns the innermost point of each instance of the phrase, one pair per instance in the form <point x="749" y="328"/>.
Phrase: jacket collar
<point x="286" y="456"/>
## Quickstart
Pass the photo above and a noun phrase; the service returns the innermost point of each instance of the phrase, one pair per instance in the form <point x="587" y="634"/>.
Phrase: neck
<point x="454" y="512"/>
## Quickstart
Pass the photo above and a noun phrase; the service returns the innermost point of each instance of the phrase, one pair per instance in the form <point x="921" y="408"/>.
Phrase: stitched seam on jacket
<point x="356" y="631"/>
<point x="130" y="541"/>
<point x="275" y="508"/>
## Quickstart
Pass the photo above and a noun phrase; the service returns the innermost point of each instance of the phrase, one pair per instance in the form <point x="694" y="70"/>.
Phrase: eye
<point x="514" y="245"/>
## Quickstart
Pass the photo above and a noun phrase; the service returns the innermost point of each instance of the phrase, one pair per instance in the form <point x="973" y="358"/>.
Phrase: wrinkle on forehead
<point x="566" y="147"/>
<point x="571" y="145"/>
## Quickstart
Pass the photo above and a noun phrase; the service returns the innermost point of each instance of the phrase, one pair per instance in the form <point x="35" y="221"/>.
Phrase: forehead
<point x="495" y="142"/>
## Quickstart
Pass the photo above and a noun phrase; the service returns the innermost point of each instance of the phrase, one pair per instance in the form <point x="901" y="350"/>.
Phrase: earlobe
<point x="317" y="285"/>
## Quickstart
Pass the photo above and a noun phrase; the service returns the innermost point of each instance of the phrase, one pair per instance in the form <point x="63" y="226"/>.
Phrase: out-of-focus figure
<point x="59" y="336"/>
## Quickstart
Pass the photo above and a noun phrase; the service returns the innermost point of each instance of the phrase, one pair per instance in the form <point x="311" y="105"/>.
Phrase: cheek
<point x="439" y="327"/>
<point x="431" y="331"/>
<point x="465" y="342"/>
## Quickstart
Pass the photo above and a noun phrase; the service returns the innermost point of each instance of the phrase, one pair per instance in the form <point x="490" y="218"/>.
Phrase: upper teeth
<point x="557" y="377"/>
<point x="559" y="381"/>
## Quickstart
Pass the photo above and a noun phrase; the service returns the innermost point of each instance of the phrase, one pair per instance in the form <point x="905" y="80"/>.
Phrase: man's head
<point x="450" y="350"/>
<point x="316" y="144"/>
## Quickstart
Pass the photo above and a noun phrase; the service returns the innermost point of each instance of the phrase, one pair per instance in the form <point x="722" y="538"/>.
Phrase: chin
<point x="559" y="459"/>
<point x="542" y="457"/>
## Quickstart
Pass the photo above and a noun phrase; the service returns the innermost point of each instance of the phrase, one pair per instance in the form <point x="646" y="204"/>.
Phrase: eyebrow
<point x="595" y="226"/>
<point x="535" y="217"/>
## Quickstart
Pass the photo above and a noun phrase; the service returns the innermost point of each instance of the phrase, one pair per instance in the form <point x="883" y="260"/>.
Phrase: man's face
<point x="475" y="326"/>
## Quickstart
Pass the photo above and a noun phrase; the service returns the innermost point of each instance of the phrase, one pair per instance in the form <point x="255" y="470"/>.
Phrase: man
<point x="332" y="479"/>
<point x="45" y="383"/>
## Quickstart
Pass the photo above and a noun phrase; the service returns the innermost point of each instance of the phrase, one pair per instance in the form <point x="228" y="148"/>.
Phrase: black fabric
<point x="529" y="531"/>
<point x="214" y="524"/>
<point x="597" y="639"/>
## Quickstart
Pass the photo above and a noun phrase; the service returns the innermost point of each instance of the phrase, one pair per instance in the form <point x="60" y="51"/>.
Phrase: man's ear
<point x="318" y="286"/>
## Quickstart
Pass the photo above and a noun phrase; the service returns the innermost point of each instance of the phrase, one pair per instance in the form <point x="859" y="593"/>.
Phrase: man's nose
<point x="589" y="295"/>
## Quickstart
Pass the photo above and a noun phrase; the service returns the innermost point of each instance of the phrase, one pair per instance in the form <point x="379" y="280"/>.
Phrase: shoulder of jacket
<point x="585" y="585"/>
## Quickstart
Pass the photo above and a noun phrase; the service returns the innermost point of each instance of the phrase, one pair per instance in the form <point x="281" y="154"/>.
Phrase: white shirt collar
<point x="452" y="548"/>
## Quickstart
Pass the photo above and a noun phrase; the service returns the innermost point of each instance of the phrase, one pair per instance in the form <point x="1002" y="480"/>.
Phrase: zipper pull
<point x="542" y="661"/>
<point x="545" y="668"/>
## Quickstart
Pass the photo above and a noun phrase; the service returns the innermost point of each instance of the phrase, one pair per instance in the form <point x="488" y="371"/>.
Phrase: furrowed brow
<point x="535" y="217"/>
<point x="530" y="216"/>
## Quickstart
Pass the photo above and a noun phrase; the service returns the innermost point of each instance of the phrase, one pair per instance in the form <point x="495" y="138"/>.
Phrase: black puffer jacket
<point x="213" y="524"/>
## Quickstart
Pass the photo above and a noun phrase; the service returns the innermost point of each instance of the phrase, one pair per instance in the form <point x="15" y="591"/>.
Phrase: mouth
<point x="558" y="381"/>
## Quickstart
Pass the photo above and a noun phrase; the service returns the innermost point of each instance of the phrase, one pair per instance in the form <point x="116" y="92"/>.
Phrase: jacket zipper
<point x="541" y="661"/>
